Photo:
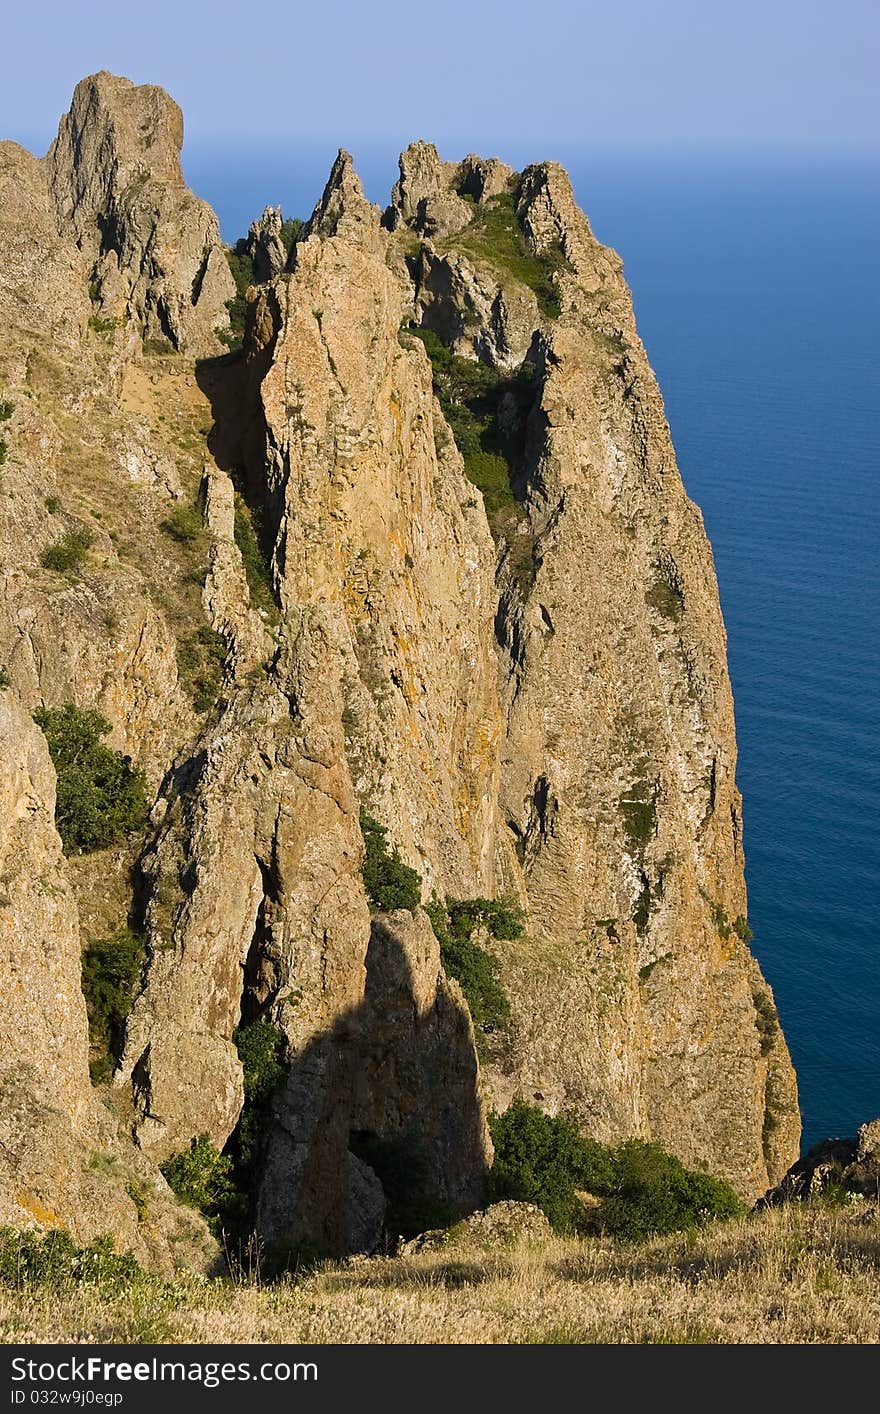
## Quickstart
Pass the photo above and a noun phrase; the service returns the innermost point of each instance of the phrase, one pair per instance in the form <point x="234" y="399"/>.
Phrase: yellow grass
<point x="798" y="1275"/>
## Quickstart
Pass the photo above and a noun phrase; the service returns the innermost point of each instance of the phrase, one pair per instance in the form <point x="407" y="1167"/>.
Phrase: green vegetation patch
<point x="666" y="598"/>
<point x="5" y="679"/>
<point x="494" y="235"/>
<point x="111" y="972"/>
<point x="291" y="230"/>
<point x="184" y="524"/>
<point x="249" y="539"/>
<point x="635" y="1190"/>
<point x="202" y="1178"/>
<point x="638" y="809"/>
<point x="388" y="881"/>
<point x="261" y="1050"/>
<point x="68" y="553"/>
<point x="473" y="966"/>
<point x="7" y="408"/>
<point x="200" y="659"/>
<point x="242" y="269"/>
<point x="471" y="395"/>
<point x="54" y="1261"/>
<point x="100" y="797"/>
<point x="766" y="1020"/>
<point x="103" y="326"/>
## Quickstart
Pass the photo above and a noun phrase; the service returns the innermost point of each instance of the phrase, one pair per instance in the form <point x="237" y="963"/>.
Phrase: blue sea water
<point x="757" y="292"/>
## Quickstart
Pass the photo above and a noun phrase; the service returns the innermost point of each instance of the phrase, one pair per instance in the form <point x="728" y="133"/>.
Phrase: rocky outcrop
<point x="636" y="1001"/>
<point x="545" y="715"/>
<point x="833" y="1168"/>
<point x="63" y="1161"/>
<point x="418" y="1077"/>
<point x="265" y="246"/>
<point x="377" y="522"/>
<point x="117" y="186"/>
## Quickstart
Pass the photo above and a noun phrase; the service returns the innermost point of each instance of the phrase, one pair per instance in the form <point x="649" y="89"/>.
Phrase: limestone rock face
<point x="418" y="1078"/>
<point x="545" y="716"/>
<point x="475" y="311"/>
<point x="425" y="194"/>
<point x="44" y="279"/>
<point x="265" y="246"/>
<point x="62" y="1160"/>
<point x="377" y="522"/>
<point x="636" y="1001"/>
<point x="115" y="179"/>
<point x="261" y="831"/>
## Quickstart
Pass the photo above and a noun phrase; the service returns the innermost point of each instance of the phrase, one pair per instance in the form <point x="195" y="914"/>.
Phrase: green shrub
<point x="653" y="1193"/>
<point x="256" y="563"/>
<point x="68" y="552"/>
<point x="666" y="598"/>
<point x="3" y="451"/>
<point x="111" y="972"/>
<point x="139" y="1195"/>
<point x="202" y="1178"/>
<point x="5" y="679"/>
<point x="184" y="524"/>
<point x="242" y="269"/>
<point x="545" y="1160"/>
<point x="473" y="967"/>
<point x="100" y="797"/>
<point x="742" y="929"/>
<point x="494" y="235"/>
<point x="641" y="1189"/>
<point x="261" y="1049"/>
<point x="53" y="1260"/>
<point x="766" y="1020"/>
<point x="470" y="395"/>
<point x="103" y="326"/>
<point x="200" y="658"/>
<point x="388" y="881"/>
<point x="52" y="503"/>
<point x="407" y="1177"/>
<point x="7" y="408"/>
<point x="290" y="232"/>
<point x="639" y="811"/>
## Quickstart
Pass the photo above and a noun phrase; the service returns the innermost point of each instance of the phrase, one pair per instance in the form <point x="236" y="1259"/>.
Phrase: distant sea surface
<point x="757" y="292"/>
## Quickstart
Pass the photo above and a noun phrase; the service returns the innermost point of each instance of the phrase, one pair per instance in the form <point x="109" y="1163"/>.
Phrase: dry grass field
<point x="794" y="1275"/>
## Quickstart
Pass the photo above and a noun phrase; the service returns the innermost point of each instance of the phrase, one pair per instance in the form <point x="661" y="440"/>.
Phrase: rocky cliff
<point x="418" y="553"/>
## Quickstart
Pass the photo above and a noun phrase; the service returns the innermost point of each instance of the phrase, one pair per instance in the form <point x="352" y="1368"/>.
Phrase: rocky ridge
<point x="534" y="702"/>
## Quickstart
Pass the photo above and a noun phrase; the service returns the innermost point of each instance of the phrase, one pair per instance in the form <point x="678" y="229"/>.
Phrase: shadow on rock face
<point x="378" y="1128"/>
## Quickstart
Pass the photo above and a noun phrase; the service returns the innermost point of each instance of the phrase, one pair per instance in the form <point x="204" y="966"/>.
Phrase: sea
<point x="756" y="280"/>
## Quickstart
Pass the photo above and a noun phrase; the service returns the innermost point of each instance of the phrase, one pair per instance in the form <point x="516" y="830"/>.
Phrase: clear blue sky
<point x="467" y="73"/>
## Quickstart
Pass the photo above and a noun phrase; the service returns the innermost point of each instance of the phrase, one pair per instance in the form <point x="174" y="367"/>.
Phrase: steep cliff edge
<point x="636" y="1001"/>
<point x="420" y="550"/>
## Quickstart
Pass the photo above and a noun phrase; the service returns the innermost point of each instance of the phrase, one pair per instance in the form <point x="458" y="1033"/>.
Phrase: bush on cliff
<point x="473" y="966"/>
<point x="111" y="970"/>
<point x="100" y="797"/>
<point x="636" y="1190"/>
<point x="202" y="1178"/>
<point x="388" y="881"/>
<point x="473" y="396"/>
<point x="69" y="552"/>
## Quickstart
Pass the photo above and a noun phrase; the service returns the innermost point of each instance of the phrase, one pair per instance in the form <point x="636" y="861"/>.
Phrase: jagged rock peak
<point x="343" y="209"/>
<point x="551" y="218"/>
<point x="482" y="177"/>
<point x="425" y="195"/>
<point x="118" y="191"/>
<point x="265" y="246"/>
<point x="114" y="132"/>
